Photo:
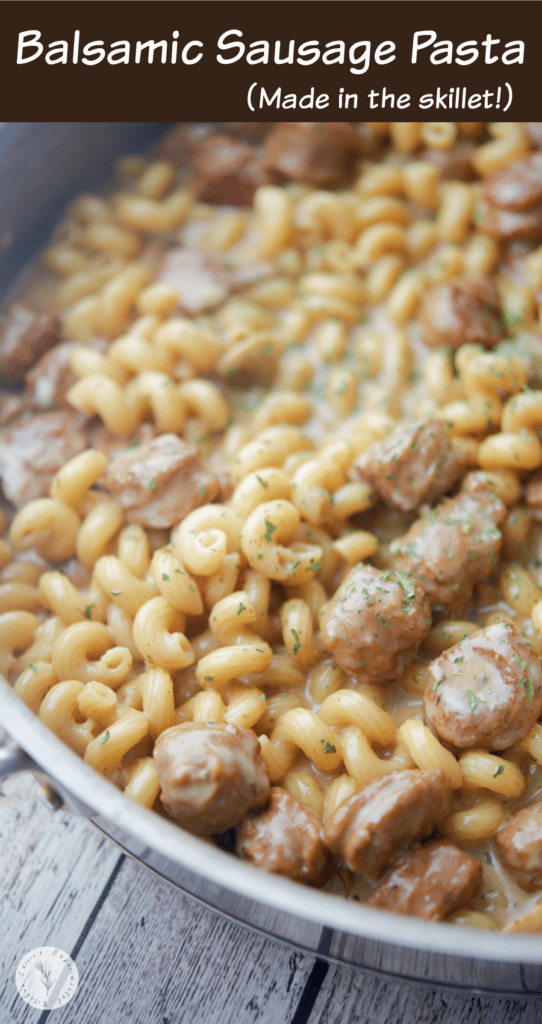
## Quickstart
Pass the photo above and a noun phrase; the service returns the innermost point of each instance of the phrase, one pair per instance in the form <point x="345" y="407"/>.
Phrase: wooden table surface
<point x="146" y="954"/>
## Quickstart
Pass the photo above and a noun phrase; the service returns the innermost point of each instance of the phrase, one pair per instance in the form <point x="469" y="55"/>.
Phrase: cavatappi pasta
<point x="284" y="387"/>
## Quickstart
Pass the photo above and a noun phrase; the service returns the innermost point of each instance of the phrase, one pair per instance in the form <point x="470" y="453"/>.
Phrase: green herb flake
<point x="527" y="685"/>
<point x="328" y="747"/>
<point x="472" y="700"/>
<point x="499" y="771"/>
<point x="297" y="645"/>
<point x="263" y="483"/>
<point x="151" y="485"/>
<point x="406" y="581"/>
<point x="33" y="668"/>
<point x="241" y="608"/>
<point x="88" y="611"/>
<point x="269" y="530"/>
<point x="106" y="736"/>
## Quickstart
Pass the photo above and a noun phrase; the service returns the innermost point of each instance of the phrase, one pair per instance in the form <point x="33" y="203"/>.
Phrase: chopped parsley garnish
<point x="406" y="582"/>
<point x="328" y="747"/>
<point x="269" y="530"/>
<point x="88" y="611"/>
<point x="472" y="700"/>
<point x="499" y="771"/>
<point x="528" y="686"/>
<point x="106" y="736"/>
<point x="151" y="485"/>
<point x="263" y="483"/>
<point x="165" y="577"/>
<point x="297" y="645"/>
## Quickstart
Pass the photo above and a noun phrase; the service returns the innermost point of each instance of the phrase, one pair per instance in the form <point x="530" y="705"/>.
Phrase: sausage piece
<point x="210" y="775"/>
<point x="51" y="378"/>
<point x="486" y="691"/>
<point x="454" y="164"/>
<point x="509" y="225"/>
<point x="375" y="622"/>
<point x="25" y="334"/>
<point x="285" y="839"/>
<point x="371" y="827"/>
<point x="430" y="883"/>
<point x="520" y="845"/>
<point x="160" y="481"/>
<point x="33" y="449"/>
<point x="414" y="464"/>
<point x="534" y="129"/>
<point x="454" y="547"/>
<point x="249" y="131"/>
<point x="227" y="171"/>
<point x="466" y="310"/>
<point x="517" y="187"/>
<point x="319" y="153"/>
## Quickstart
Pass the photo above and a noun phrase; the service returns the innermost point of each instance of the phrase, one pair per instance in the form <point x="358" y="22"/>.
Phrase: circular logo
<point x="47" y="978"/>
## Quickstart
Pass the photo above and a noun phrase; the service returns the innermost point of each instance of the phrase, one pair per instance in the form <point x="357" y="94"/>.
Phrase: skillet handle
<point x="13" y="759"/>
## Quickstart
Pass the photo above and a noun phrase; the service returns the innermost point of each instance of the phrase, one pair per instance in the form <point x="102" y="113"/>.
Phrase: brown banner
<point x="270" y="60"/>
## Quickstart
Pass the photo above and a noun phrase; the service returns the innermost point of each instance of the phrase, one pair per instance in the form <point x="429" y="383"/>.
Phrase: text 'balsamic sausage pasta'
<point x="271" y="541"/>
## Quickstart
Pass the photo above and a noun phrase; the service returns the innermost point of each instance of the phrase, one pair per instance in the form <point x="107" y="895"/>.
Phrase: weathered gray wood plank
<point x="54" y="867"/>
<point x="166" y="959"/>
<point x="149" y="952"/>
<point x="347" y="995"/>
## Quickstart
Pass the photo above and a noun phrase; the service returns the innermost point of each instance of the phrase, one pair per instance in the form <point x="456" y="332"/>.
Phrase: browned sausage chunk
<point x="318" y="152"/>
<point x="454" y="547"/>
<point x="32" y="450"/>
<point x="227" y="171"/>
<point x="210" y="775"/>
<point x="430" y="883"/>
<point x="454" y="164"/>
<point x="285" y="839"/>
<point x="179" y="145"/>
<point x="486" y="691"/>
<point x="159" y="482"/>
<point x="249" y="131"/>
<point x="518" y="187"/>
<point x="371" y="827"/>
<point x="51" y="378"/>
<point x="510" y="225"/>
<point x="463" y="311"/>
<point x="414" y="464"/>
<point x="25" y="334"/>
<point x="375" y="622"/>
<point x="535" y="131"/>
<point x="520" y="845"/>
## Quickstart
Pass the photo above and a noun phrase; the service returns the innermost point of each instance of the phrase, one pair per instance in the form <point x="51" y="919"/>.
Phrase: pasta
<point x="285" y="495"/>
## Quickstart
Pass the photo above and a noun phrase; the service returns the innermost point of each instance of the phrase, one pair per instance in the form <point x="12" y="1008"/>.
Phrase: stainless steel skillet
<point x="42" y="166"/>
